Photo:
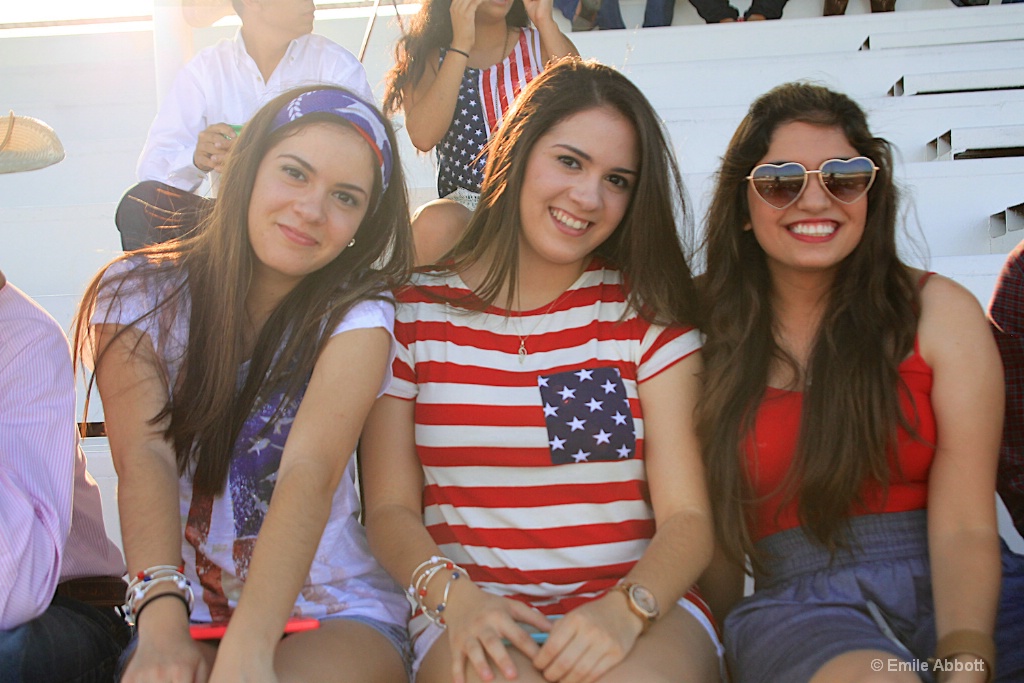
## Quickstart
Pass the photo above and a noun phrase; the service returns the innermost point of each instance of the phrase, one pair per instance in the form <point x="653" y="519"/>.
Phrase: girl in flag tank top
<point x="533" y="473"/>
<point x="457" y="71"/>
<point x="851" y="416"/>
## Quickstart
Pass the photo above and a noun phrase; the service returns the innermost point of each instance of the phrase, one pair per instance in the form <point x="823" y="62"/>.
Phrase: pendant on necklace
<point x="522" y="351"/>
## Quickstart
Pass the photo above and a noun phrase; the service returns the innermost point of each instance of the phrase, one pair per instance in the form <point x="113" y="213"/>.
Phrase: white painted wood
<point x="1008" y="221"/>
<point x="101" y="467"/>
<point x="967" y="143"/>
<point x="980" y="34"/>
<point x="958" y="81"/>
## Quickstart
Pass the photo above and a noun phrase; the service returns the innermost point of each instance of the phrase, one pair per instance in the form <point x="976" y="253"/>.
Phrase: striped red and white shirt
<point x="533" y="466"/>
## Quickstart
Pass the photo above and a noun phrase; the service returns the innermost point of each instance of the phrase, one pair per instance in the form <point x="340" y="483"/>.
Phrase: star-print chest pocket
<point x="587" y="416"/>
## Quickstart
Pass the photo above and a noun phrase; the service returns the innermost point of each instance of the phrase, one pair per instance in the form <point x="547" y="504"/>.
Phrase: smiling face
<point x="311" y="193"/>
<point x="816" y="232"/>
<point x="577" y="184"/>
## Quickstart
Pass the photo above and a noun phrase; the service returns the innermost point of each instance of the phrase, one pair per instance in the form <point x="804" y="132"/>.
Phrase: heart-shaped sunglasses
<point x="846" y="180"/>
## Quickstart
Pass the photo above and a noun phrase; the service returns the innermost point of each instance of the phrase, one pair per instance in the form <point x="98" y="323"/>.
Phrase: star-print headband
<point x="363" y="117"/>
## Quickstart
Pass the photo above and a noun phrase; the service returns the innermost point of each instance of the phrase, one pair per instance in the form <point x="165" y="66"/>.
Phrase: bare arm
<point x="393" y="485"/>
<point x="343" y="386"/>
<point x="133" y="390"/>
<point x="967" y="397"/>
<point x="430" y="104"/>
<point x="682" y="545"/>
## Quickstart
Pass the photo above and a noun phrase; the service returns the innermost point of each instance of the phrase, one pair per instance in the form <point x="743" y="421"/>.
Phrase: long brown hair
<point x="646" y="246"/>
<point x="429" y="31"/>
<point x="851" y="410"/>
<point x="207" y="277"/>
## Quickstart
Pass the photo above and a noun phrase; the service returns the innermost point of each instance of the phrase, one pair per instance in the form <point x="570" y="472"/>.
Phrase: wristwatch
<point x="641" y="602"/>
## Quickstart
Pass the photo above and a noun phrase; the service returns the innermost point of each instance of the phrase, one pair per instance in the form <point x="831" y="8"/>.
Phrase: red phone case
<point x="216" y="630"/>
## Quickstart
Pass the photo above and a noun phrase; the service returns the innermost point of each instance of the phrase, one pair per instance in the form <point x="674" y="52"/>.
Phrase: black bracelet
<point x="461" y="52"/>
<point x="138" y="612"/>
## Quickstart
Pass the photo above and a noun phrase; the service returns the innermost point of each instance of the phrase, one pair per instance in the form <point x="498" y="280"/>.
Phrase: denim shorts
<point x="398" y="636"/>
<point x="810" y="607"/>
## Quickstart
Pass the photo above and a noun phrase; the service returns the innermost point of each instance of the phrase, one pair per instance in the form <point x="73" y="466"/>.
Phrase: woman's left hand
<point x="540" y="11"/>
<point x="588" y="641"/>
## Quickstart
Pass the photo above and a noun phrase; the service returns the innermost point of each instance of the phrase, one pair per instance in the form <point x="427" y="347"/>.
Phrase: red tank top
<point x="771" y="448"/>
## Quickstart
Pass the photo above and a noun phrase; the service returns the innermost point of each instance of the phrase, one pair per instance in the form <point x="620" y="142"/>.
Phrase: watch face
<point x="644" y="599"/>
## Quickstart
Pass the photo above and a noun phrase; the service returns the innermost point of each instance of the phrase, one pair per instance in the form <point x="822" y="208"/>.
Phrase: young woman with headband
<point x="236" y="368"/>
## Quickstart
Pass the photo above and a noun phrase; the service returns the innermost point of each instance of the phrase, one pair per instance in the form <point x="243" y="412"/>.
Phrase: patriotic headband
<point x="364" y="118"/>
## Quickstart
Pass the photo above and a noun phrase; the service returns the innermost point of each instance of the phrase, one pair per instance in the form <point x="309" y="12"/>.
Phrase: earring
<point x="352" y="243"/>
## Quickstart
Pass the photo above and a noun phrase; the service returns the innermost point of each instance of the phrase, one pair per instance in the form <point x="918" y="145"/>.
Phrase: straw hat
<point x="27" y="144"/>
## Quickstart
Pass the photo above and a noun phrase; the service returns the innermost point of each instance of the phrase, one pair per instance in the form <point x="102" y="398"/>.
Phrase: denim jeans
<point x="660" y="12"/>
<point x="1010" y="625"/>
<point x="70" y="641"/>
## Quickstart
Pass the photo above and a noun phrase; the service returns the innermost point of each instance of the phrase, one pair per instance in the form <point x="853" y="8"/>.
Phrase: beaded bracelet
<point x="436" y="615"/>
<point x="411" y="589"/>
<point x="420" y="583"/>
<point x="424" y="582"/>
<point x="147" y="579"/>
<point x="416" y="581"/>
<point x="154" y="571"/>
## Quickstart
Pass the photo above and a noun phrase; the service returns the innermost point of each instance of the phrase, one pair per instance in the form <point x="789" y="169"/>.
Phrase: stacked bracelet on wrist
<point x="420" y="582"/>
<point x="146" y="580"/>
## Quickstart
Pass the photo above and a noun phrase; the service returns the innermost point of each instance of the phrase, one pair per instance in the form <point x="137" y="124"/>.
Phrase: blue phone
<point x="539" y="637"/>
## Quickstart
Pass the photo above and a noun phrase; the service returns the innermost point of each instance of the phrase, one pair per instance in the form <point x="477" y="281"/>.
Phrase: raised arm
<point x="553" y="43"/>
<point x="133" y="389"/>
<point x="429" y="103"/>
<point x="680" y="549"/>
<point x="170" y="153"/>
<point x="344" y="383"/>
<point x="967" y="397"/>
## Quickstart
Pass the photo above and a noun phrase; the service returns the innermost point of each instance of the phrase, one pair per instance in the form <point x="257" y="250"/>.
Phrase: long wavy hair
<point x="429" y="31"/>
<point x="647" y="246"/>
<point x="206" y="409"/>
<point x="851" y="410"/>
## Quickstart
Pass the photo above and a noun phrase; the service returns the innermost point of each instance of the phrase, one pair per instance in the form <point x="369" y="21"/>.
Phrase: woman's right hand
<point x="463" y="13"/>
<point x="479" y="624"/>
<point x="165" y="651"/>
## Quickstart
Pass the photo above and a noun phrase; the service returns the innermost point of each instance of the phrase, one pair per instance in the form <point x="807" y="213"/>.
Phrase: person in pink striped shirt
<point x="533" y="472"/>
<point x="59" y="573"/>
<point x="52" y="523"/>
